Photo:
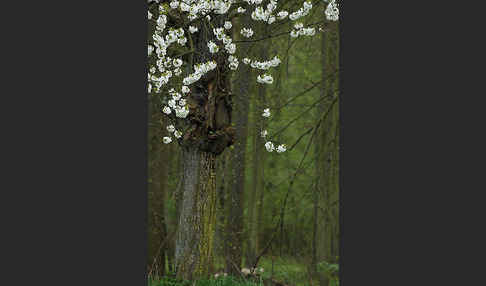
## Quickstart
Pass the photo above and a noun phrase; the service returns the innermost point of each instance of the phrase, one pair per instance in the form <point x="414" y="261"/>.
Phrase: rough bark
<point x="208" y="133"/>
<point x="197" y="215"/>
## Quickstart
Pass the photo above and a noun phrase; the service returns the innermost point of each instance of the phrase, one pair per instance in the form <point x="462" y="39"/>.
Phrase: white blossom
<point x="177" y="63"/>
<point x="167" y="140"/>
<point x="230" y="48"/>
<point x="170" y="128"/>
<point x="241" y="10"/>
<point x="227" y="25"/>
<point x="192" y="29"/>
<point x="174" y="4"/>
<point x="185" y="89"/>
<point x="149" y="15"/>
<point x="267" y="64"/>
<point x="167" y="110"/>
<point x="182" y="41"/>
<point x="247" y="32"/>
<point x="282" y="15"/>
<point x="172" y="103"/>
<point x="264" y="133"/>
<point x="301" y="12"/>
<point x="281" y="148"/>
<point x="177" y="71"/>
<point x="268" y="79"/>
<point x="266" y="113"/>
<point x="200" y="70"/>
<point x="269" y="146"/>
<point x="177" y="134"/>
<point x="182" y="112"/>
<point x="213" y="48"/>
<point x="332" y="11"/>
<point x="233" y="62"/>
<point x="246" y="61"/>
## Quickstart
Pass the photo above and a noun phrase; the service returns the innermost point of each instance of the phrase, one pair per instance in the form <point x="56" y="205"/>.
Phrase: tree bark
<point x="208" y="133"/>
<point x="197" y="215"/>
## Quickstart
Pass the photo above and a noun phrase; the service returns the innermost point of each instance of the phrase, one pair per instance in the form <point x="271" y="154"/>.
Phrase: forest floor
<point x="287" y="271"/>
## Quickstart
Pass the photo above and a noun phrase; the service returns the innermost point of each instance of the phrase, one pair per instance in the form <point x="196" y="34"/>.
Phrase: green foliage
<point x="331" y="270"/>
<point x="285" y="269"/>
<point x="223" y="281"/>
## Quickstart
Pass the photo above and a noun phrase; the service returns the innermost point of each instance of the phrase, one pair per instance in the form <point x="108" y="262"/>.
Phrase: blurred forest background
<point x="289" y="201"/>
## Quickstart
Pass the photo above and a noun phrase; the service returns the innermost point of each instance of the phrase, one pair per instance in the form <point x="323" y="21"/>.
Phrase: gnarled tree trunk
<point x="208" y="133"/>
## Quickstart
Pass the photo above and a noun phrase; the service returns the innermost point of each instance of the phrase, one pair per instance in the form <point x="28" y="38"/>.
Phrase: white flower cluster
<point x="266" y="112"/>
<point x="247" y="32"/>
<point x="161" y="44"/>
<point x="301" y="12"/>
<point x="253" y="2"/>
<point x="265" y="78"/>
<point x="171" y="129"/>
<point x="332" y="11"/>
<point x="213" y="48"/>
<point x="199" y="71"/>
<point x="229" y="46"/>
<point x="197" y="7"/>
<point x="233" y="62"/>
<point x="167" y="68"/>
<point x="177" y="103"/>
<point x="269" y="145"/>
<point x="192" y="29"/>
<point x="259" y="14"/>
<point x="266" y="65"/>
<point x="282" y="15"/>
<point x="299" y="30"/>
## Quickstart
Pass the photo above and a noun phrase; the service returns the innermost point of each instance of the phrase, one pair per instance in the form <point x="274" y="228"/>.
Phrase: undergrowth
<point x="223" y="281"/>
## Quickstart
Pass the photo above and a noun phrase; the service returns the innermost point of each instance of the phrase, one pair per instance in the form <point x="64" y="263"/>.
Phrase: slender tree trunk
<point x="161" y="199"/>
<point x="222" y="189"/>
<point x="255" y="211"/>
<point x="236" y="192"/>
<point x="157" y="189"/>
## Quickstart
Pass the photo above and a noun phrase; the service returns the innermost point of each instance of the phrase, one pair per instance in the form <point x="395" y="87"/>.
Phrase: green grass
<point x="287" y="270"/>
<point x="223" y="281"/>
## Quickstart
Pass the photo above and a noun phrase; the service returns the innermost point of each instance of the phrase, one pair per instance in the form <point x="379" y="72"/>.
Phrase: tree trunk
<point x="208" y="133"/>
<point x="197" y="215"/>
<point x="157" y="189"/>
<point x="236" y="191"/>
